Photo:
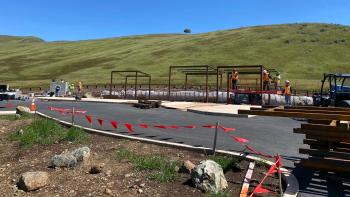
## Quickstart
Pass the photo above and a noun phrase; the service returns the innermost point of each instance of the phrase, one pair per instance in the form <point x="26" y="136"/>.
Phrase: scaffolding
<point x="131" y="74"/>
<point x="196" y="70"/>
<point x="256" y="88"/>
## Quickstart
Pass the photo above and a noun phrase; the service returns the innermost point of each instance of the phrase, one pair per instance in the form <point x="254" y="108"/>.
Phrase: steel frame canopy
<point x="133" y="74"/>
<point x="199" y="70"/>
<point x="242" y="69"/>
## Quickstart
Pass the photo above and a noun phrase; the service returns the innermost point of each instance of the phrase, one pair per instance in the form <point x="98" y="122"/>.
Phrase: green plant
<point x="46" y="132"/>
<point x="226" y="162"/>
<point x="16" y="117"/>
<point x="76" y="135"/>
<point x="162" y="169"/>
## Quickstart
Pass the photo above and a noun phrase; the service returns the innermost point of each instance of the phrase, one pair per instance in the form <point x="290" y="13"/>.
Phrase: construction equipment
<point x="9" y="94"/>
<point x="335" y="91"/>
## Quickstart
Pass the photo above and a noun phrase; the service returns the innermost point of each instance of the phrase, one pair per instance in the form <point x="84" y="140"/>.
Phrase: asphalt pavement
<point x="269" y="135"/>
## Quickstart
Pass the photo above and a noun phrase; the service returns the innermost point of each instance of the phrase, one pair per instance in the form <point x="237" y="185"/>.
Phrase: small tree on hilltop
<point x="187" y="31"/>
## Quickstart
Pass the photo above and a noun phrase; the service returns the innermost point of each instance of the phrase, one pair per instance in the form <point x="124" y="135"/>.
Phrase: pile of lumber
<point x="147" y="104"/>
<point x="327" y="134"/>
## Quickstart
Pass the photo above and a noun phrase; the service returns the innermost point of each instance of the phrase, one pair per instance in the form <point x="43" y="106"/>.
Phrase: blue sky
<point x="90" y="19"/>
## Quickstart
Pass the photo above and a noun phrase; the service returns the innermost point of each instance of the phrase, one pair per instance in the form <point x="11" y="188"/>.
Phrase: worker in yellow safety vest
<point x="71" y="89"/>
<point x="287" y="91"/>
<point x="277" y="81"/>
<point x="234" y="79"/>
<point x="266" y="80"/>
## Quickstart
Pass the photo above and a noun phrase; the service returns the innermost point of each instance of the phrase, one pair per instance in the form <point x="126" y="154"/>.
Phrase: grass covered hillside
<point x="302" y="52"/>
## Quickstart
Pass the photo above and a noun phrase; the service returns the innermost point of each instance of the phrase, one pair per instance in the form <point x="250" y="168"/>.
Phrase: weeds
<point x="219" y="194"/>
<point x="46" y="132"/>
<point x="163" y="170"/>
<point x="16" y="117"/>
<point x="226" y="163"/>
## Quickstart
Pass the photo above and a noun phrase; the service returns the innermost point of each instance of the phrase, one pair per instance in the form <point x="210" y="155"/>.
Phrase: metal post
<point x="220" y="81"/>
<point x="186" y="82"/>
<point x="217" y="85"/>
<point x="110" y="88"/>
<point x="206" y="85"/>
<point x="73" y="111"/>
<point x="125" y="84"/>
<point x="261" y="84"/>
<point x="215" y="137"/>
<point x="149" y="87"/>
<point x="169" y="83"/>
<point x="136" y="84"/>
<point x="228" y="88"/>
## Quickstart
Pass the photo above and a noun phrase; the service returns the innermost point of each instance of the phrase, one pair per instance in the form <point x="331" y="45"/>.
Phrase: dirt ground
<point x="119" y="176"/>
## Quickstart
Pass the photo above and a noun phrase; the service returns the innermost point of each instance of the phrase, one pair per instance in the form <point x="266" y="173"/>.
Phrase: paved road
<point x="267" y="134"/>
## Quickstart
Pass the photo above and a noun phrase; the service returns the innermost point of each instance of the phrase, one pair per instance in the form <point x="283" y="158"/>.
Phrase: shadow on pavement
<point x="315" y="183"/>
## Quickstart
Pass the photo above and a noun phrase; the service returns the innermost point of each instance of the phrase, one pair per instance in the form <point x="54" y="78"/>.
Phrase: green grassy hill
<point x="302" y="52"/>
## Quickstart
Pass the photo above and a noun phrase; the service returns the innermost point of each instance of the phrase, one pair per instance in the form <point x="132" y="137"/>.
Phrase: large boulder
<point x="208" y="176"/>
<point x="30" y="181"/>
<point x="22" y="110"/>
<point x="72" y="159"/>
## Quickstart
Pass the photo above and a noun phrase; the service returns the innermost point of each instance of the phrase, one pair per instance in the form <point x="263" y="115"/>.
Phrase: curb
<point x="4" y="113"/>
<point x="292" y="187"/>
<point x="92" y="101"/>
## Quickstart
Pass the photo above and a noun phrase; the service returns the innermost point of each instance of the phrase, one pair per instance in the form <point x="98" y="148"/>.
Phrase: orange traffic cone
<point x="32" y="107"/>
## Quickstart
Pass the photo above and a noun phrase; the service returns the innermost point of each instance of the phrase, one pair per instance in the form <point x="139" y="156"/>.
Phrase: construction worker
<point x="80" y="86"/>
<point x="287" y="91"/>
<point x="234" y="79"/>
<point x="277" y="81"/>
<point x="266" y="80"/>
<point x="71" y="89"/>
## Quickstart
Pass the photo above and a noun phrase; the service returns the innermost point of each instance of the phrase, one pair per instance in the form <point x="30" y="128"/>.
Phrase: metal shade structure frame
<point x="131" y="74"/>
<point x="242" y="70"/>
<point x="196" y="70"/>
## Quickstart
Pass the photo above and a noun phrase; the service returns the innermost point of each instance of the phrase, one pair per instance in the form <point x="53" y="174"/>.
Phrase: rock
<point x="22" y="110"/>
<point x="82" y="154"/>
<point x="30" y="181"/>
<point x="142" y="185"/>
<point x="64" y="160"/>
<point x="108" y="192"/>
<point x="108" y="172"/>
<point x="140" y="191"/>
<point x="208" y="176"/>
<point x="96" y="169"/>
<point x="72" y="159"/>
<point x="20" y="132"/>
<point x="128" y="175"/>
<point x="187" y="167"/>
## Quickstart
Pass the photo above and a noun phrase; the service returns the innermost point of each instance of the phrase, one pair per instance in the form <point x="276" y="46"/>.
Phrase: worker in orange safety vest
<point x="287" y="91"/>
<point x="266" y="80"/>
<point x="234" y="79"/>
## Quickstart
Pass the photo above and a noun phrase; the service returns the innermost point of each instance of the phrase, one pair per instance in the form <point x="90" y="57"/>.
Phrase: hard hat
<point x="265" y="71"/>
<point x="287" y="81"/>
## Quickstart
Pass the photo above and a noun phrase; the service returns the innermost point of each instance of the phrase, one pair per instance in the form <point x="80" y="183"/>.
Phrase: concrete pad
<point x="211" y="108"/>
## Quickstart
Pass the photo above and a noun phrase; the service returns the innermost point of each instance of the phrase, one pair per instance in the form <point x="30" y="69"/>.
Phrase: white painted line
<point x="247" y="178"/>
<point x="292" y="183"/>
